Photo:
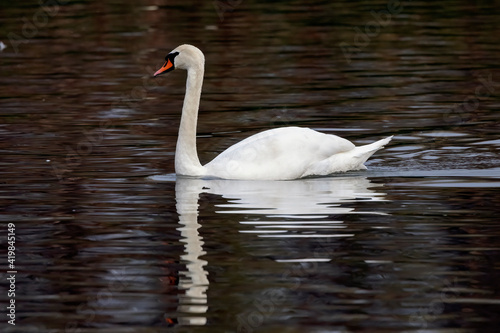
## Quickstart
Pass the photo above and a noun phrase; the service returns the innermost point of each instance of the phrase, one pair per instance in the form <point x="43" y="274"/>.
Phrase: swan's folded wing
<point x="283" y="153"/>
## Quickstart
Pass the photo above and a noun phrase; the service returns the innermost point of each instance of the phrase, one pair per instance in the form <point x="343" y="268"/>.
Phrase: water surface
<point x="108" y="240"/>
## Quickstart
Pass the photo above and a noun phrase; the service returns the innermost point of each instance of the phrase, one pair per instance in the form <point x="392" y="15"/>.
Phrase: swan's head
<point x="183" y="57"/>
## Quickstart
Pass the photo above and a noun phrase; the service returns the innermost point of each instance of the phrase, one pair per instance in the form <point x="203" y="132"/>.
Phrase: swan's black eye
<point x="171" y="56"/>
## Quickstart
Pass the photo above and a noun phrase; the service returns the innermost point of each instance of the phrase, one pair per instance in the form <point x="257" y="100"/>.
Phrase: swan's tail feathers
<point x="362" y="153"/>
<point x="353" y="159"/>
<point x="370" y="149"/>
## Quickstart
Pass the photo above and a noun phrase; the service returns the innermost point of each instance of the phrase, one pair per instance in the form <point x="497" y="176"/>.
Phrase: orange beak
<point x="165" y="68"/>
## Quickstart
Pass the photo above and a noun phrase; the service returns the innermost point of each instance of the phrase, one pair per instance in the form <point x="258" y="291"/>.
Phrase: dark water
<point x="411" y="245"/>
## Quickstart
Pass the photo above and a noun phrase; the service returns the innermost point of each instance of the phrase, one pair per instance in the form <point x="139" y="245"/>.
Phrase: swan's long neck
<point x="186" y="156"/>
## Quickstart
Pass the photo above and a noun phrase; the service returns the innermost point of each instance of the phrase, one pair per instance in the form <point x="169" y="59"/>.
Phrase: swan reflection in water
<point x="293" y="209"/>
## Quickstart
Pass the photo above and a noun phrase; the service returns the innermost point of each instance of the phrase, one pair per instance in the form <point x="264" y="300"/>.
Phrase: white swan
<point x="276" y="154"/>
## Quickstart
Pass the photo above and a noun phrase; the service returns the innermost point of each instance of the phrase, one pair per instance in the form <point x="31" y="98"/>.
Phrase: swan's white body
<point x="277" y="154"/>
